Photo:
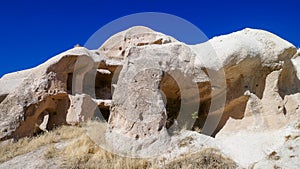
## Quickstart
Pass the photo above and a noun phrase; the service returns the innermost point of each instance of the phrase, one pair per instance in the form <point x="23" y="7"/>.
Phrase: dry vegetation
<point x="209" y="158"/>
<point x="79" y="151"/>
<point x="26" y="145"/>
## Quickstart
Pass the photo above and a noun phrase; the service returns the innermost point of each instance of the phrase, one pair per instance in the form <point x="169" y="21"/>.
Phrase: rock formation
<point x="151" y="91"/>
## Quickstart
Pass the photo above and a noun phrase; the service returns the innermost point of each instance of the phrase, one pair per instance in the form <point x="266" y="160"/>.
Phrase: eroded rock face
<point x="137" y="97"/>
<point x="247" y="58"/>
<point x="266" y="121"/>
<point x="119" y="44"/>
<point x="10" y="81"/>
<point x="44" y="91"/>
<point x="150" y="88"/>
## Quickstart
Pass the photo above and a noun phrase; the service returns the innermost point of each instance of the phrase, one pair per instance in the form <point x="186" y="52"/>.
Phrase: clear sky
<point x="33" y="31"/>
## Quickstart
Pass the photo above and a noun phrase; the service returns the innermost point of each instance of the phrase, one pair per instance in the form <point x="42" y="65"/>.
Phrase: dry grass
<point x="26" y="145"/>
<point x="206" y="159"/>
<point x="81" y="152"/>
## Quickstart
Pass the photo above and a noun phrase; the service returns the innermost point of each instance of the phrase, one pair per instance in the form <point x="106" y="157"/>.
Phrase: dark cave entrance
<point x="171" y="96"/>
<point x="105" y="81"/>
<point x="181" y="101"/>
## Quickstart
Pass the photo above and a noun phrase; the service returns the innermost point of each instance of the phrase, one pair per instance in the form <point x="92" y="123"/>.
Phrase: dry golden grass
<point x="26" y="145"/>
<point x="81" y="152"/>
<point x="206" y="159"/>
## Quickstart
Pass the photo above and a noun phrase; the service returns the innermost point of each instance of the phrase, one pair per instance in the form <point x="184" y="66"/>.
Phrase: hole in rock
<point x="104" y="85"/>
<point x="184" y="105"/>
<point x="41" y="123"/>
<point x="171" y="96"/>
<point x="181" y="98"/>
<point x="56" y="110"/>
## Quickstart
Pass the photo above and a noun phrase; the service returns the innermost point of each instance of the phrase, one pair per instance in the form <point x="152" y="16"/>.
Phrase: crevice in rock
<point x="69" y="83"/>
<point x="2" y="97"/>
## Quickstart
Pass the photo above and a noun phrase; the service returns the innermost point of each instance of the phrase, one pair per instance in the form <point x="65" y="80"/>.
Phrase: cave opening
<point x="182" y="101"/>
<point x="105" y="81"/>
<point x="171" y="96"/>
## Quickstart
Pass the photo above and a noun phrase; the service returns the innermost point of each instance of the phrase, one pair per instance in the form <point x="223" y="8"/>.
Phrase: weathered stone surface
<point x="292" y="106"/>
<point x="10" y="81"/>
<point x="247" y="57"/>
<point x="138" y="112"/>
<point x="289" y="80"/>
<point x="261" y="130"/>
<point x="286" y="155"/>
<point x="242" y="88"/>
<point x="119" y="44"/>
<point x="264" y="126"/>
<point x="82" y="108"/>
<point x="43" y="92"/>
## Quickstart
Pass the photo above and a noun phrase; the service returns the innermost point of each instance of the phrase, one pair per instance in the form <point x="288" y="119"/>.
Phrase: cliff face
<point x="239" y="93"/>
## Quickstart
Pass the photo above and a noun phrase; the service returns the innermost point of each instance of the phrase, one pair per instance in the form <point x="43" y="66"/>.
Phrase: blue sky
<point x="34" y="31"/>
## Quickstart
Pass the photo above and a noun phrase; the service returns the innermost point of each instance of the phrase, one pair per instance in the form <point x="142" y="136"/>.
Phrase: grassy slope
<point x="81" y="152"/>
